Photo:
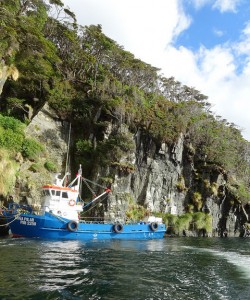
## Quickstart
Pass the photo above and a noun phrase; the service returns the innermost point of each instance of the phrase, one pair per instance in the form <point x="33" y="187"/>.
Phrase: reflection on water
<point x="173" y="268"/>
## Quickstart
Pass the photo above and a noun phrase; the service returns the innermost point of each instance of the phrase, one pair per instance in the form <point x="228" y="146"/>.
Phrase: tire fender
<point x="72" y="226"/>
<point x="154" y="226"/>
<point x="118" y="228"/>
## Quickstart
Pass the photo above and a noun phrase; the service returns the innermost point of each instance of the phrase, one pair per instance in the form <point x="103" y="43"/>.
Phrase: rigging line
<point x="58" y="217"/>
<point x="87" y="180"/>
<point x="92" y="206"/>
<point x="88" y="186"/>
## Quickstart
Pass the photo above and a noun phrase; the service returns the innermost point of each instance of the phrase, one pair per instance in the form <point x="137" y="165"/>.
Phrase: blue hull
<point x="49" y="226"/>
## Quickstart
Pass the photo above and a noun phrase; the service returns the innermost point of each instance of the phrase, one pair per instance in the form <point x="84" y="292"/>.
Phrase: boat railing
<point x="99" y="220"/>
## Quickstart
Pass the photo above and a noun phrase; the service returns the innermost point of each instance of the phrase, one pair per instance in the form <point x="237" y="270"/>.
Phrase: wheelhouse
<point x="61" y="201"/>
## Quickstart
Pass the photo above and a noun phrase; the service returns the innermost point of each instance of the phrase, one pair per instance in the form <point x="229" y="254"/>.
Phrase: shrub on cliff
<point x="50" y="166"/>
<point x="11" y="133"/>
<point x="11" y="140"/>
<point x="202" y="221"/>
<point x="183" y="222"/>
<point x="11" y="123"/>
<point x="12" y="137"/>
<point x="31" y="148"/>
<point x="8" y="167"/>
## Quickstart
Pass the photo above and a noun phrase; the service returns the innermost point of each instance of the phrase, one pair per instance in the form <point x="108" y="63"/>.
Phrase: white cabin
<point x="62" y="201"/>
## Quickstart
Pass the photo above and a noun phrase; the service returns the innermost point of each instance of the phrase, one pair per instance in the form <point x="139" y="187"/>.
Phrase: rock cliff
<point x="163" y="178"/>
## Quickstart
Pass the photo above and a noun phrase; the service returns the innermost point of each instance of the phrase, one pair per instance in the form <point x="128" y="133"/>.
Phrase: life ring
<point x="72" y="226"/>
<point x="154" y="226"/>
<point x="118" y="228"/>
<point x="72" y="202"/>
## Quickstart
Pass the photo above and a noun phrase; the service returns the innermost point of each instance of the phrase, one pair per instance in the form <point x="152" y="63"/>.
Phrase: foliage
<point x="220" y="143"/>
<point x="190" y="208"/>
<point x="112" y="149"/>
<point x="136" y="212"/>
<point x="11" y="140"/>
<point x="35" y="168"/>
<point x="50" y="166"/>
<point x="86" y="154"/>
<point x="188" y="221"/>
<point x="84" y="146"/>
<point x="8" y="168"/>
<point x="207" y="184"/>
<point x="107" y="152"/>
<point x="202" y="221"/>
<point x="60" y="98"/>
<point x="197" y="200"/>
<point x="92" y="81"/>
<point x="107" y="180"/>
<point x="26" y="48"/>
<point x="183" y="222"/>
<point x="239" y="192"/>
<point x="214" y="188"/>
<point x="180" y="185"/>
<point x="11" y="123"/>
<point x="124" y="167"/>
<point x="31" y="148"/>
<point x="11" y="133"/>
<point x="169" y="219"/>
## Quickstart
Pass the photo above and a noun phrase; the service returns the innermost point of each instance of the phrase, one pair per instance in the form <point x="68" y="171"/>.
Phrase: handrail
<point x="99" y="220"/>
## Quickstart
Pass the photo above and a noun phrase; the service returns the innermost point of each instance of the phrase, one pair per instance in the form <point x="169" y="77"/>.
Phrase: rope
<point x="16" y="216"/>
<point x="87" y="180"/>
<point x="59" y="218"/>
<point x="88" y="186"/>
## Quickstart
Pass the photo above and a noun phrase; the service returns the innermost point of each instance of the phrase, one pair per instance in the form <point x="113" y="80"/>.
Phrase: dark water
<point x="173" y="268"/>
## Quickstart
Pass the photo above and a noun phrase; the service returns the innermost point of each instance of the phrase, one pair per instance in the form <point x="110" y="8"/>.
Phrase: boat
<point x="59" y="217"/>
<point x="4" y="229"/>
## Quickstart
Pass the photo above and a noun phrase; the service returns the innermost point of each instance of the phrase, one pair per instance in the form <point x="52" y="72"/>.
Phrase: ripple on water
<point x="148" y="270"/>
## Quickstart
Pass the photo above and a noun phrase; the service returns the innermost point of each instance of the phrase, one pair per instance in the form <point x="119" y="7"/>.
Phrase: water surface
<point x="172" y="268"/>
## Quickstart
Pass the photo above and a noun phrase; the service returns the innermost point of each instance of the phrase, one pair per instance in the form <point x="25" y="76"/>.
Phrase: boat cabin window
<point x="53" y="192"/>
<point x="64" y="195"/>
<point x="58" y="193"/>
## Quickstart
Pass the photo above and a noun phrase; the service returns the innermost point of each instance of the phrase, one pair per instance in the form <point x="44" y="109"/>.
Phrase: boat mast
<point x="79" y="180"/>
<point x="67" y="157"/>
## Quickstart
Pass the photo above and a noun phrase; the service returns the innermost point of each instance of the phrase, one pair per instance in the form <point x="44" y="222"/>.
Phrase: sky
<point x="204" y="44"/>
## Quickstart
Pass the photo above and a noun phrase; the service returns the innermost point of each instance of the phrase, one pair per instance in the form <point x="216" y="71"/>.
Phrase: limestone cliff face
<point x="164" y="178"/>
<point x="53" y="135"/>
<point x="153" y="182"/>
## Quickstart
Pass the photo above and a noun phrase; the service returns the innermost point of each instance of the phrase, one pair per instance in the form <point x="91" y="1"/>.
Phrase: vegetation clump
<point x="136" y="212"/>
<point x="31" y="148"/>
<point x="92" y="82"/>
<point x="190" y="221"/>
<point x="50" y="166"/>
<point x="197" y="200"/>
<point x="8" y="169"/>
<point x="180" y="185"/>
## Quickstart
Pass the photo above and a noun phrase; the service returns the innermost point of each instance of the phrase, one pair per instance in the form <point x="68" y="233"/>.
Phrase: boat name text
<point x="27" y="221"/>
